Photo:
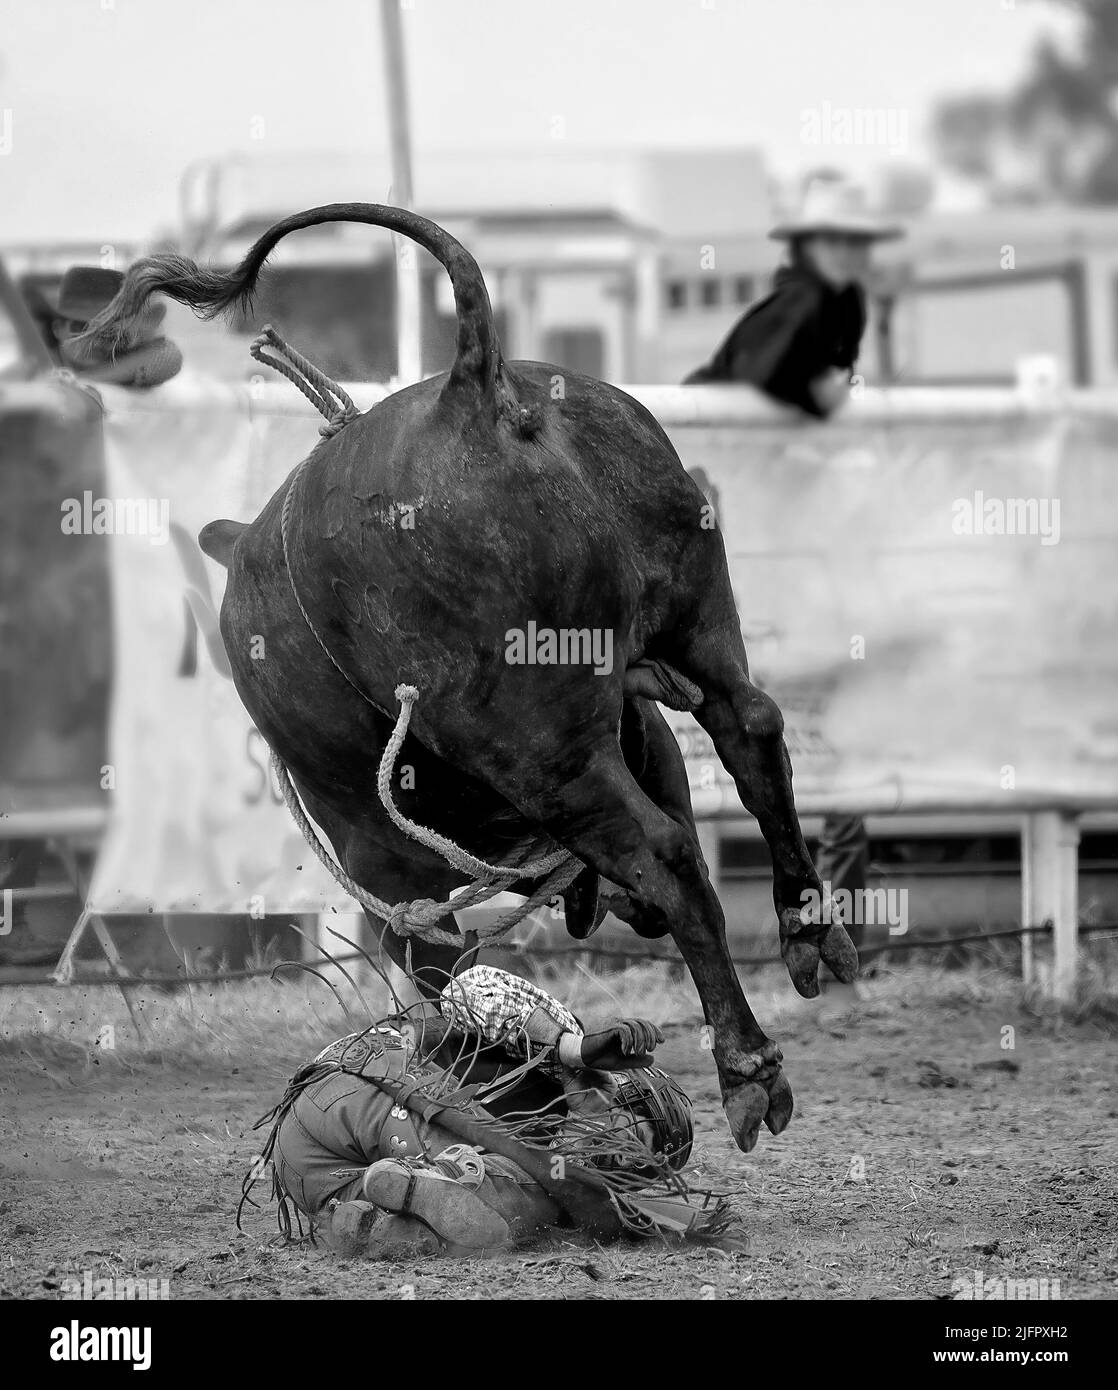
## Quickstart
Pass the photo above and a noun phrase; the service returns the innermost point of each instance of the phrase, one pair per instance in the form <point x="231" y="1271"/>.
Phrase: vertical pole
<point x="1050" y="893"/>
<point x="409" y="353"/>
<point x="710" y="845"/>
<point x="31" y="344"/>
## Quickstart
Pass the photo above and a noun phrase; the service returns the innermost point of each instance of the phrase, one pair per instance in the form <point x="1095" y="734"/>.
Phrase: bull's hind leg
<point x="747" y="729"/>
<point x="603" y="816"/>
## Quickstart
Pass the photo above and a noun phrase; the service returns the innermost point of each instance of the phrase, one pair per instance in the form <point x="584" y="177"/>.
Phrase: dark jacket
<point x="792" y="336"/>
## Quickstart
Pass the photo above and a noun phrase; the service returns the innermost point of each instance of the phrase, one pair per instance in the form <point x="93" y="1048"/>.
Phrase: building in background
<point x="575" y="247"/>
<point x="627" y="265"/>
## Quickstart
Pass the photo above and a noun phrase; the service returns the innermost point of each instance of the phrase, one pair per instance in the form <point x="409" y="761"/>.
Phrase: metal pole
<point x="31" y="344"/>
<point x="409" y="354"/>
<point x="1050" y="893"/>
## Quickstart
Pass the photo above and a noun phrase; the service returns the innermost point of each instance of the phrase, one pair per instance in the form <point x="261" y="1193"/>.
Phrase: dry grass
<point x="209" y="1023"/>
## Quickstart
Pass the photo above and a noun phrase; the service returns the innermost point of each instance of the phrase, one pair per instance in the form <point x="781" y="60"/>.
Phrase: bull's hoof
<point x="780" y="1104"/>
<point x="806" y="936"/>
<point x="745" y="1109"/>
<point x="766" y="1097"/>
<point x="840" y="954"/>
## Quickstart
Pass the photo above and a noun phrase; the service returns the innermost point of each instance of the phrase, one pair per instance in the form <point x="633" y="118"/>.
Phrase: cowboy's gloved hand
<point x="625" y="1046"/>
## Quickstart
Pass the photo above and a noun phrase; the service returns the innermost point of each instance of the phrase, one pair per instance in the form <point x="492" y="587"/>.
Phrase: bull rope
<point x="420" y="916"/>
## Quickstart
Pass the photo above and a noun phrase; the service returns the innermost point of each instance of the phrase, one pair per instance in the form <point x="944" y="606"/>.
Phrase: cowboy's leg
<point x="314" y="1142"/>
<point x="312" y="1146"/>
<point x="522" y="1202"/>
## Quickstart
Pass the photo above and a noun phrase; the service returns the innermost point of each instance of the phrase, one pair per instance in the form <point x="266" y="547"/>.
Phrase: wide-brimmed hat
<point x="86" y="290"/>
<point x="833" y="205"/>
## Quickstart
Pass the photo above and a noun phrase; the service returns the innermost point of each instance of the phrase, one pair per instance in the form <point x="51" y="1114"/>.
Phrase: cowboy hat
<point x="84" y="291"/>
<point x="833" y="205"/>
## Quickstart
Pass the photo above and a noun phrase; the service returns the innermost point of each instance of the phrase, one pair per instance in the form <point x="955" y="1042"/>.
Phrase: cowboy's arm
<point x="150" y="364"/>
<point x="507" y="1011"/>
<point x="831" y="390"/>
<point x="503" y="1009"/>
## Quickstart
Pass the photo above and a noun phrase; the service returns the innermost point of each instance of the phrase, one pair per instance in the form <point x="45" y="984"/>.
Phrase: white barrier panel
<point x="927" y="585"/>
<point x="919" y="667"/>
<point x="197" y="824"/>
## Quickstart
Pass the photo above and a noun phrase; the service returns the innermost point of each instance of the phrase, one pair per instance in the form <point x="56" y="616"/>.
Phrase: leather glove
<point x="625" y="1046"/>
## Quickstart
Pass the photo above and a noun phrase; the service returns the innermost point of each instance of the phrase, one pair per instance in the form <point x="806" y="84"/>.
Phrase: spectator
<point x="144" y="357"/>
<point x="799" y="345"/>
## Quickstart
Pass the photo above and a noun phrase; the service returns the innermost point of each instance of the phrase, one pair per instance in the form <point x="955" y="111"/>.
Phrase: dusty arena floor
<point x="921" y="1151"/>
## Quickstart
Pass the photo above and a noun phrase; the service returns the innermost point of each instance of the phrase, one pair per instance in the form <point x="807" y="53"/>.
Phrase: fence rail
<point x="528" y="952"/>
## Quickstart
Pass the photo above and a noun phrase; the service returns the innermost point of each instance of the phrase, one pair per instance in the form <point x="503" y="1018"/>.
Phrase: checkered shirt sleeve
<point x="497" y="1006"/>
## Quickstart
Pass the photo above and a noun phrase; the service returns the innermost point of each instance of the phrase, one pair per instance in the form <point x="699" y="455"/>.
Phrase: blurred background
<point x="582" y="156"/>
<point x="616" y="167"/>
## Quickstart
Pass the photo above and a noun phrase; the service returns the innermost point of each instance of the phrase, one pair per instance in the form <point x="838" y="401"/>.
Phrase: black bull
<point x="424" y="534"/>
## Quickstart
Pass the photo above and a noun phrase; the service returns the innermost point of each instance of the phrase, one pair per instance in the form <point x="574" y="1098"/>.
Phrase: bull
<point x="537" y="499"/>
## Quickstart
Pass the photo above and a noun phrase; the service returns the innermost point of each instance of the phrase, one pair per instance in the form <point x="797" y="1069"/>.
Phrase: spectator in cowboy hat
<point x="799" y="344"/>
<point x="144" y="358"/>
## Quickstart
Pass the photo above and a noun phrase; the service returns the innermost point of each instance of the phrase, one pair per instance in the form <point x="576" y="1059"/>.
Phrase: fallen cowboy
<point x="367" y="1142"/>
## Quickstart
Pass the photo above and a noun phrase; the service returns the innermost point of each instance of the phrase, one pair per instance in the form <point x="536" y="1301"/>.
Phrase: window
<point x="578" y="349"/>
<point x="677" y="294"/>
<point x="743" y="289"/>
<point x="711" y="293"/>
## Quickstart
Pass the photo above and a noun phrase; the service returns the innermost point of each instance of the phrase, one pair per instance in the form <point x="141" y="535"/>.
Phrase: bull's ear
<point x="218" y="539"/>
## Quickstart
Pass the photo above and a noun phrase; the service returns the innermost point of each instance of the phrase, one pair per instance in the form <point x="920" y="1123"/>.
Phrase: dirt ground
<point x="922" y="1150"/>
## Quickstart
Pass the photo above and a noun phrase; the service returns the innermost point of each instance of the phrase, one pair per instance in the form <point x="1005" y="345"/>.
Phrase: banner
<point x="928" y="587"/>
<point x="930" y="594"/>
<point x="54" y="608"/>
<point x="197" y="822"/>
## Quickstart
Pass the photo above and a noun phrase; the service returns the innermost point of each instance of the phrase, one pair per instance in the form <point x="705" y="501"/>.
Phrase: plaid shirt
<point x="497" y="1006"/>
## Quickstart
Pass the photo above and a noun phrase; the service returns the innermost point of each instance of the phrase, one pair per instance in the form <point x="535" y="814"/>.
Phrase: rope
<point x="327" y="397"/>
<point x="419" y="918"/>
<point x="455" y="856"/>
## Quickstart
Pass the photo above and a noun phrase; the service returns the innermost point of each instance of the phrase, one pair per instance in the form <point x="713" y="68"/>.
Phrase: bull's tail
<point x="477" y="364"/>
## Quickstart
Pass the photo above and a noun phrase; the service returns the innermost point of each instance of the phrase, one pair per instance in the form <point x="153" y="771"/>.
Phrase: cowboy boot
<point x="357" y="1230"/>
<point x="441" y="1201"/>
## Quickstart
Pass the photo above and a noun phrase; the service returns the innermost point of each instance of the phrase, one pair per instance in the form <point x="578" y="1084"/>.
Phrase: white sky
<point x="111" y="99"/>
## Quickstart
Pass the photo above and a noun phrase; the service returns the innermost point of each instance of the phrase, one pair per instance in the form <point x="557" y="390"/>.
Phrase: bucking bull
<point x="538" y="499"/>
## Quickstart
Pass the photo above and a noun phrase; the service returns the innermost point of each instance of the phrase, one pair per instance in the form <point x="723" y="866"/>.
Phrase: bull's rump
<point x="421" y="540"/>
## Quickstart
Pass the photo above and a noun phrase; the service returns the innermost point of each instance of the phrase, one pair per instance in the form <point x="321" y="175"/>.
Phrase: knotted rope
<point x="559" y="869"/>
<point x="327" y="397"/>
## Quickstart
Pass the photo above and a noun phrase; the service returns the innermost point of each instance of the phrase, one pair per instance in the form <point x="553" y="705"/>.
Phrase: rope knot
<point x="415" y="918"/>
<point x="337" y="423"/>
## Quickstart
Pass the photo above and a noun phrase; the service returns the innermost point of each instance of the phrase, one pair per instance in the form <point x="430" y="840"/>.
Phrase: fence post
<point x="710" y="845"/>
<point x="1050" y="893"/>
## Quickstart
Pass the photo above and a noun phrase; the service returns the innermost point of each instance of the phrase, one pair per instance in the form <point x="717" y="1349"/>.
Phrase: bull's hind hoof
<point x="780" y="1104"/>
<point x="767" y="1097"/>
<point x="839" y="953"/>
<point x="805" y="939"/>
<point x="745" y="1109"/>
